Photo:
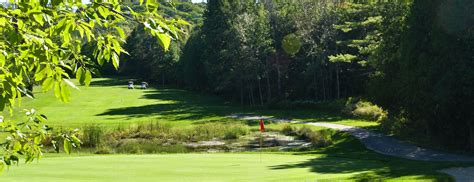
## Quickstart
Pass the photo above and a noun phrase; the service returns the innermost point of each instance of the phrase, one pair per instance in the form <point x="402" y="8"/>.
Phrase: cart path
<point x="378" y="142"/>
<point x="461" y="174"/>
<point x="390" y="146"/>
<point x="387" y="145"/>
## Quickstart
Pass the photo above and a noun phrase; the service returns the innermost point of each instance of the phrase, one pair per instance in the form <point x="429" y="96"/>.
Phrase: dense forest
<point x="414" y="59"/>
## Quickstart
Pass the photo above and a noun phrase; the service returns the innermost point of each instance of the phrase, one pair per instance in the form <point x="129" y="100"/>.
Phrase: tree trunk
<point x="338" y="88"/>
<point x="163" y="79"/>
<point x="315" y="82"/>
<point x="471" y="135"/>
<point x="260" y="92"/>
<point x="323" y="84"/>
<point x="279" y="77"/>
<point x="269" y="88"/>
<point x="252" y="98"/>
<point x="241" y="93"/>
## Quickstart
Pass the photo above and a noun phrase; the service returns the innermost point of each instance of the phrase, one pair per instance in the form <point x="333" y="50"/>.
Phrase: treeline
<point x="146" y="59"/>
<point x="425" y="78"/>
<point x="266" y="52"/>
<point x="415" y="58"/>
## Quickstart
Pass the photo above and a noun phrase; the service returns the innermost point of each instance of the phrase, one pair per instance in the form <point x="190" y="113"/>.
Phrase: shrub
<point x="235" y="131"/>
<point x="369" y="111"/>
<point x="364" y="110"/>
<point x="317" y="138"/>
<point x="92" y="135"/>
<point x="103" y="149"/>
<point x="287" y="129"/>
<point x="155" y="137"/>
<point x="143" y="146"/>
<point x="222" y="131"/>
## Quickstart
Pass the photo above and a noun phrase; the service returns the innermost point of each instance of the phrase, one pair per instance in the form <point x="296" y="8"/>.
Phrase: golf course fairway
<point x="179" y="167"/>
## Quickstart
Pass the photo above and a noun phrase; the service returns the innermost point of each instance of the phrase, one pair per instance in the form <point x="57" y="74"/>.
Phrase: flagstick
<point x="262" y="129"/>
<point x="260" y="147"/>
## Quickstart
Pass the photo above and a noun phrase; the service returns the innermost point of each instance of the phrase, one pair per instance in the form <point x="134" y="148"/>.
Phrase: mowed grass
<point x="346" y="160"/>
<point x="207" y="167"/>
<point x="109" y="103"/>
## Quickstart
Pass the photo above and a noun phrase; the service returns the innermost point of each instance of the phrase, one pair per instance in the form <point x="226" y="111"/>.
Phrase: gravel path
<point x="378" y="142"/>
<point x="390" y="146"/>
<point x="461" y="174"/>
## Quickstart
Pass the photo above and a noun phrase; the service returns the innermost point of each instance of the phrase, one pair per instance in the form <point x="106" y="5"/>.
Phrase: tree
<point x="428" y="80"/>
<point x="41" y="42"/>
<point x="252" y="46"/>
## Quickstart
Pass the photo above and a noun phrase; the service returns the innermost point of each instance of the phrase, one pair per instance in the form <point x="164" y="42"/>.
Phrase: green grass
<point x="213" y="167"/>
<point x="346" y="160"/>
<point x="108" y="102"/>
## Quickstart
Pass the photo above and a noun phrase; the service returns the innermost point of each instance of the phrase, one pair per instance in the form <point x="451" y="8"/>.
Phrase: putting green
<point x="168" y="167"/>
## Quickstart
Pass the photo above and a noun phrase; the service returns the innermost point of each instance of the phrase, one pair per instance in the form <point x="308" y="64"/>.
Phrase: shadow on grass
<point x="175" y="105"/>
<point x="109" y="82"/>
<point x="347" y="155"/>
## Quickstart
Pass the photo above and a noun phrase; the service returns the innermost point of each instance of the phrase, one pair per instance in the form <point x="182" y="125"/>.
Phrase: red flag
<point x="262" y="126"/>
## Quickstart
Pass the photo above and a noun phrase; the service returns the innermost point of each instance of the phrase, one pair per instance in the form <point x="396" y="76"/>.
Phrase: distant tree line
<point x="146" y="59"/>
<point x="266" y="52"/>
<point x="413" y="58"/>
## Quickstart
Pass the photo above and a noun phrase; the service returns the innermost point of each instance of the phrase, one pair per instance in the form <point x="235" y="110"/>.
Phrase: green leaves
<point x="104" y="12"/>
<point x="120" y="32"/>
<point x="2" y="166"/>
<point x="84" y="76"/>
<point x="41" y="44"/>
<point x="115" y="60"/>
<point x="291" y="44"/>
<point x="87" y="78"/>
<point x="67" y="146"/>
<point x="164" y="41"/>
<point x="346" y="58"/>
<point x="48" y="84"/>
<point x="80" y="75"/>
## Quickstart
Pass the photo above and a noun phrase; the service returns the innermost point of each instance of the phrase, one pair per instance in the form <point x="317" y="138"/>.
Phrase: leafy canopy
<point x="41" y="42"/>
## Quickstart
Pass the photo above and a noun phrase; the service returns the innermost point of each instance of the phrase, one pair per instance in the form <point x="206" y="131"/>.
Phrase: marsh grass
<point x="156" y="137"/>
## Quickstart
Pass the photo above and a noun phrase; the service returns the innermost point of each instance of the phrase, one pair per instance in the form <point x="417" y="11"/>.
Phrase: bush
<point x="143" y="146"/>
<point x="316" y="138"/>
<point x="103" y="149"/>
<point x="154" y="137"/>
<point x="235" y="131"/>
<point x="92" y="135"/>
<point x="222" y="131"/>
<point x="287" y="129"/>
<point x="364" y="110"/>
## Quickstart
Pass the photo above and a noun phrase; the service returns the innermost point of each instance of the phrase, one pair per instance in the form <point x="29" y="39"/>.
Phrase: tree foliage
<point x="146" y="60"/>
<point x="41" y="43"/>
<point x="427" y="81"/>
